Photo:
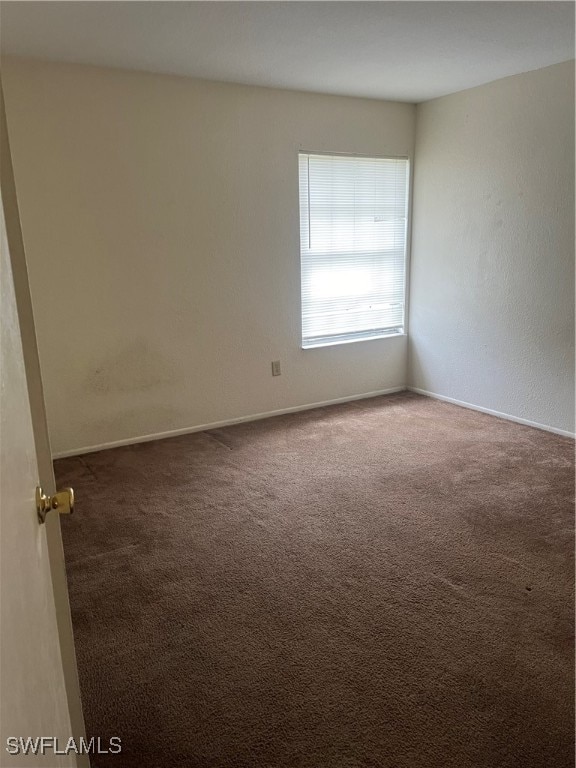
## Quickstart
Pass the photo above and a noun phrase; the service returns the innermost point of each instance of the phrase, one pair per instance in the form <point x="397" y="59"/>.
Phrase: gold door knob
<point x="63" y="501"/>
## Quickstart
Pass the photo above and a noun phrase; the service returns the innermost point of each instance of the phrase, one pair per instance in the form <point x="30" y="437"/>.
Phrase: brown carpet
<point x="382" y="584"/>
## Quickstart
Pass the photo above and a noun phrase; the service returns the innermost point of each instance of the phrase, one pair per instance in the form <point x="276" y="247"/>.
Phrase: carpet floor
<point x="382" y="584"/>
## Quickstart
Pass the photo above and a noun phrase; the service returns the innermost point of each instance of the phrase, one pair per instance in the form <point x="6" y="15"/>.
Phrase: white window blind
<point x="353" y="213"/>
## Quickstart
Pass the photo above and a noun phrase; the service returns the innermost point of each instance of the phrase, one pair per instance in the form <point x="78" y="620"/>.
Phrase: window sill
<point x="339" y="342"/>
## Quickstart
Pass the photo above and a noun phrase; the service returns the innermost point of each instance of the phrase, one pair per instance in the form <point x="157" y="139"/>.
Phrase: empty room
<point x="287" y="367"/>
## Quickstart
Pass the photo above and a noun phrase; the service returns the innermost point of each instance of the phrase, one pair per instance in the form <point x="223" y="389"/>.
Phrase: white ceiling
<point x="409" y="51"/>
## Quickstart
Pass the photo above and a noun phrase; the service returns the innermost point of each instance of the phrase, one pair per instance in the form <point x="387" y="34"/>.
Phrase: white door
<point x="39" y="694"/>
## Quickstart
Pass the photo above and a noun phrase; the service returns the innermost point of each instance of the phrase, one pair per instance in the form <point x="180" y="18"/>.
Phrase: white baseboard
<point x="492" y="412"/>
<point x="225" y="423"/>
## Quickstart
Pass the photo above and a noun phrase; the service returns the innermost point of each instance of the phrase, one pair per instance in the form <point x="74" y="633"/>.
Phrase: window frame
<point x="407" y="247"/>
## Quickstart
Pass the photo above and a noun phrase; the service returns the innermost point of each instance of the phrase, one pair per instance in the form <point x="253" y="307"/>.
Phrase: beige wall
<point x="160" y="216"/>
<point x="492" y="277"/>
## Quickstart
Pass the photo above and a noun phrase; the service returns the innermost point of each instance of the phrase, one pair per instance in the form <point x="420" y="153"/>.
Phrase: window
<point x="353" y="214"/>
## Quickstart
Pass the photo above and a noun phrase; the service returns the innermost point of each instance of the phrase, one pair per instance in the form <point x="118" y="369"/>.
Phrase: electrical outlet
<point x="276" y="368"/>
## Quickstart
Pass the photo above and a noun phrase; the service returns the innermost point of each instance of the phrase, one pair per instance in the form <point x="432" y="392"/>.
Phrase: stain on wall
<point x="135" y="368"/>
